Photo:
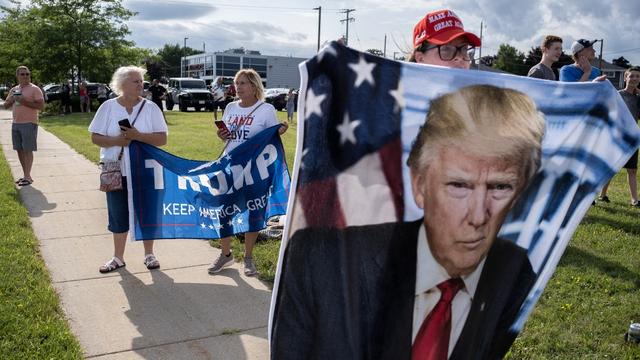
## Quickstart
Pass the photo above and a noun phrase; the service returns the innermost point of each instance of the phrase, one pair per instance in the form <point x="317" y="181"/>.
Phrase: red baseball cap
<point x="440" y="27"/>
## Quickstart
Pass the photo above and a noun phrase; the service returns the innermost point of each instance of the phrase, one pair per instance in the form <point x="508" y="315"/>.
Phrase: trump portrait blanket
<point x="175" y="198"/>
<point x="352" y="275"/>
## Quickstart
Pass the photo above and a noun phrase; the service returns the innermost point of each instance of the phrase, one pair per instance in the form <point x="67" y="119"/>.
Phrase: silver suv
<point x="189" y="92"/>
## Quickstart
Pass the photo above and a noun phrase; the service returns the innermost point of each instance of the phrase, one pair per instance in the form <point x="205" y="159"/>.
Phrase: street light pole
<point x="384" y="51"/>
<point x="184" y="55"/>
<point x="319" y="8"/>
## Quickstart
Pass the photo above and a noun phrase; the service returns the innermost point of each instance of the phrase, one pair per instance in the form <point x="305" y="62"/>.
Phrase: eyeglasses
<point x="24" y="74"/>
<point x="448" y="52"/>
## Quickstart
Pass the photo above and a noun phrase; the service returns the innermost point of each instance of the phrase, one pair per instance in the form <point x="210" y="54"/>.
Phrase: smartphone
<point x="221" y="125"/>
<point x="124" y="123"/>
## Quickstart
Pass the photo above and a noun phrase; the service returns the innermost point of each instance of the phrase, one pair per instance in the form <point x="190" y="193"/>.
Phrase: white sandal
<point x="151" y="262"/>
<point x="114" y="264"/>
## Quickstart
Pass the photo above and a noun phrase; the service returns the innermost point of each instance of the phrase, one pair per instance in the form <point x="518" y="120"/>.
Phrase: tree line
<point x="76" y="39"/>
<point x="86" y="39"/>
<point x="511" y="60"/>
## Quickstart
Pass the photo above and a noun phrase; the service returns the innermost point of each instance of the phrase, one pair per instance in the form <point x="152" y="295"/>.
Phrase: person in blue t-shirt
<point x="582" y="53"/>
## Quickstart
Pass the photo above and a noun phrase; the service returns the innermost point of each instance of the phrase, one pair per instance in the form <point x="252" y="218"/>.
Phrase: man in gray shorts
<point x="25" y="100"/>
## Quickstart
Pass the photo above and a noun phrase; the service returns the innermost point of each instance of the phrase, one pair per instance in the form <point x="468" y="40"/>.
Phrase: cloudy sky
<point x="290" y="27"/>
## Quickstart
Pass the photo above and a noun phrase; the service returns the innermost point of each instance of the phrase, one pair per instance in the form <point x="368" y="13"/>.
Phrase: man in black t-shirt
<point x="158" y="93"/>
<point x="65" y="98"/>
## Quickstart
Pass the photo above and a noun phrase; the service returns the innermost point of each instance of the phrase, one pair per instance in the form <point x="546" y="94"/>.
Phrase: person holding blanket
<point x="244" y="119"/>
<point x="440" y="39"/>
<point x="147" y="126"/>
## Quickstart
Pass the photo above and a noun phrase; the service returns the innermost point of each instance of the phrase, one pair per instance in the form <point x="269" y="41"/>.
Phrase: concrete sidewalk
<point x="176" y="312"/>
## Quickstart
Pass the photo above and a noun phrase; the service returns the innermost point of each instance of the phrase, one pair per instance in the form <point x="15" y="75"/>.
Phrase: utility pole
<point x="319" y="8"/>
<point x="601" y="45"/>
<point x="347" y="20"/>
<point x="204" y="47"/>
<point x="384" y="51"/>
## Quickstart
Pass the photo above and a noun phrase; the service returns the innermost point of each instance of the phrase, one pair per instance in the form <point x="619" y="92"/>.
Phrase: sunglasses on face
<point x="24" y="74"/>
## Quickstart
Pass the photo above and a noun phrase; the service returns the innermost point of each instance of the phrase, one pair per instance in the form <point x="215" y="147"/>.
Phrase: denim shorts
<point x="118" y="209"/>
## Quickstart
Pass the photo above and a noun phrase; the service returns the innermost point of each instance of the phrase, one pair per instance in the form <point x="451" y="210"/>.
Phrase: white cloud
<point x="162" y="10"/>
<point x="289" y="27"/>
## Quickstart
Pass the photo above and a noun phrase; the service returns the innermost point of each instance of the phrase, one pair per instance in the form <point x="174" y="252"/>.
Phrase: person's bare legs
<point x="26" y="162"/>
<point x="148" y="247"/>
<point x="249" y="241"/>
<point x="225" y="245"/>
<point x="633" y="184"/>
<point x="603" y="193"/>
<point x="249" y="265"/>
<point x="119" y="243"/>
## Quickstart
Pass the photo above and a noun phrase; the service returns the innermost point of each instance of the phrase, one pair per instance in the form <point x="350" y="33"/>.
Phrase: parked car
<point x="276" y="97"/>
<point x="189" y="92"/>
<point x="92" y="88"/>
<point x="52" y="91"/>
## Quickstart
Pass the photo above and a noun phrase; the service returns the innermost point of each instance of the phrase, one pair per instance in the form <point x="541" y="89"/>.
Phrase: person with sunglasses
<point x="25" y="100"/>
<point x="439" y="39"/>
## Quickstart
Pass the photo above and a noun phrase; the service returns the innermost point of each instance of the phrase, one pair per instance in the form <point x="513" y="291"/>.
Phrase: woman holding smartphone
<point x="243" y="119"/>
<point x="117" y="122"/>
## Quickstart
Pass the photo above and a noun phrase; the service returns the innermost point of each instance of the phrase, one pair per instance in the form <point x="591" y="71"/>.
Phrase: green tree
<point x="156" y="67"/>
<point x="60" y="39"/>
<point x="511" y="60"/>
<point x="622" y="62"/>
<point x="170" y="56"/>
<point x="376" y="52"/>
<point x="488" y="60"/>
<point x="15" y="36"/>
<point x="533" y="57"/>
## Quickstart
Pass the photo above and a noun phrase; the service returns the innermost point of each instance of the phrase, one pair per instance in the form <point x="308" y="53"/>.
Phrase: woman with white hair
<point x="147" y="126"/>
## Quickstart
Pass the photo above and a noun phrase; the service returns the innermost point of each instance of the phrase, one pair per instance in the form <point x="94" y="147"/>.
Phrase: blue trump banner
<point x="417" y="183"/>
<point x="175" y="198"/>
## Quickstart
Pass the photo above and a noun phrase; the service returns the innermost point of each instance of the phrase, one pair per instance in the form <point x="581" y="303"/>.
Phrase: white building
<point x="276" y="71"/>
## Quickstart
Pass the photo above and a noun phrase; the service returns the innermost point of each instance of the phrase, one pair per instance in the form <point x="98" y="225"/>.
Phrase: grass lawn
<point x="32" y="325"/>
<point x="594" y="294"/>
<point x="584" y="311"/>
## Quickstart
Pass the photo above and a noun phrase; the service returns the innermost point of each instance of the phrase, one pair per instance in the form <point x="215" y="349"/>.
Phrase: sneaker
<point x="220" y="263"/>
<point x="114" y="264"/>
<point x="151" y="262"/>
<point x="635" y="204"/>
<point x="604" y="199"/>
<point x="249" y="267"/>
